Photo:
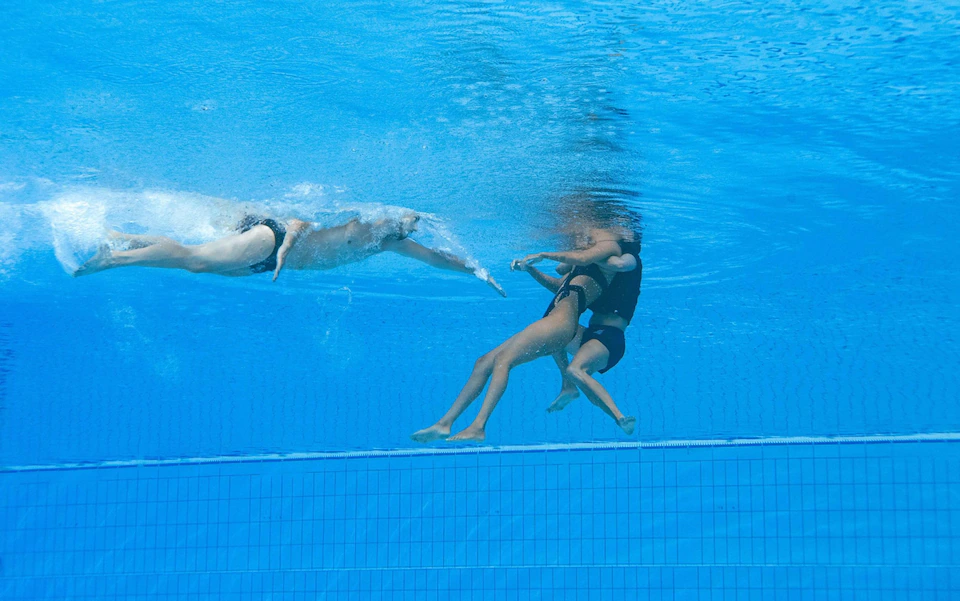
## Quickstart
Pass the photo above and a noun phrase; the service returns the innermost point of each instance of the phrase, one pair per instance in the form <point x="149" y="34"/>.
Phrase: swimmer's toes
<point x="469" y="435"/>
<point x="97" y="262"/>
<point x="430" y="434"/>
<point x="627" y="424"/>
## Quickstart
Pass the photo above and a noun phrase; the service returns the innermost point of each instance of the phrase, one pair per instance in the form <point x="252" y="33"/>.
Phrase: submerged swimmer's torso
<point x="617" y="304"/>
<point x="326" y="248"/>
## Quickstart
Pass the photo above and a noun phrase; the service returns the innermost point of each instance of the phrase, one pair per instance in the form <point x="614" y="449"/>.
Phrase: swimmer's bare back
<point x="327" y="248"/>
<point x="307" y="247"/>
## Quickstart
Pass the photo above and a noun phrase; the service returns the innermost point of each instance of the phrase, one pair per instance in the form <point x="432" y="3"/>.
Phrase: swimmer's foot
<point x="470" y="434"/>
<point x="98" y="262"/>
<point x="563" y="399"/>
<point x="121" y="241"/>
<point x="431" y="434"/>
<point x="627" y="424"/>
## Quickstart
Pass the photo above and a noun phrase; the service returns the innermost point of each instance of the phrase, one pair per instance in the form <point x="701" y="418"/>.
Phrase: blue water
<point x="794" y="167"/>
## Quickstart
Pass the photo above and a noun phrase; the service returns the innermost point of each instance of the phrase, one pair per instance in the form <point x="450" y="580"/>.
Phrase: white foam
<point x="10" y="225"/>
<point x="76" y="226"/>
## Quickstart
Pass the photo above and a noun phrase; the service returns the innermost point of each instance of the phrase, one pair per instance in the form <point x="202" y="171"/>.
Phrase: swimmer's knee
<point x="485" y="361"/>
<point x="577" y="373"/>
<point x="195" y="265"/>
<point x="502" y="363"/>
<point x="195" y="262"/>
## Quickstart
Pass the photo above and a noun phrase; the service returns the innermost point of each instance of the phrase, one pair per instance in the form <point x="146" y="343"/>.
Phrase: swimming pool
<point x="792" y="361"/>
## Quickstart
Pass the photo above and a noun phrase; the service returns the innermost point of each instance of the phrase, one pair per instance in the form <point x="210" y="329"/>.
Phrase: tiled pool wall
<point x="762" y="521"/>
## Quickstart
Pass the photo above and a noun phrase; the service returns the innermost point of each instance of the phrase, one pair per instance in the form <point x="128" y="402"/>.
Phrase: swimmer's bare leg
<point x="568" y="388"/>
<point x="226" y="255"/>
<point x="543" y="337"/>
<point x="134" y="241"/>
<point x="104" y="258"/>
<point x="164" y="252"/>
<point x="590" y="358"/>
<point x="471" y="390"/>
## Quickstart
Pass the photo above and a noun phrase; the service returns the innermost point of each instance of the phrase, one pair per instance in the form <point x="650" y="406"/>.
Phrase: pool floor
<point x="818" y="519"/>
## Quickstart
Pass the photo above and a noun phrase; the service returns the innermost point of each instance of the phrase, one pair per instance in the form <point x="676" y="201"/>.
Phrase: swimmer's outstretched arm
<point x="615" y="264"/>
<point x="295" y="228"/>
<point x="549" y="282"/>
<point x="619" y="264"/>
<point x="435" y="258"/>
<point x="595" y="254"/>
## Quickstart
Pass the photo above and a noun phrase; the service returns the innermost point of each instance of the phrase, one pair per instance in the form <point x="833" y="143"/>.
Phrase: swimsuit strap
<point x="591" y="271"/>
<point x="581" y="297"/>
<point x="563" y="292"/>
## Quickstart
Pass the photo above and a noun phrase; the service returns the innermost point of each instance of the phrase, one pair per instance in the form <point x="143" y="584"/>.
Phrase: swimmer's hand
<point x="295" y="227"/>
<point x="550" y="283"/>
<point x="282" y="256"/>
<point x="496" y="286"/>
<point x="534" y="258"/>
<point x="518" y="265"/>
<point x="526" y="262"/>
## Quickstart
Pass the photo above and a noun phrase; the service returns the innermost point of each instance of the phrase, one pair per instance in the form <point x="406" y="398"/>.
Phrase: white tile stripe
<point x="533" y="448"/>
<point x="544" y="566"/>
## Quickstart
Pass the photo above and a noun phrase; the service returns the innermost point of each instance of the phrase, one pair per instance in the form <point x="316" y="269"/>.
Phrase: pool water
<point x="792" y="362"/>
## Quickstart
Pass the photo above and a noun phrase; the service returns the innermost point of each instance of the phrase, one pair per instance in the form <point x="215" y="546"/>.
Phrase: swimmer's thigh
<point x="237" y="251"/>
<point x="591" y="357"/>
<point x="539" y="339"/>
<point x="574" y="345"/>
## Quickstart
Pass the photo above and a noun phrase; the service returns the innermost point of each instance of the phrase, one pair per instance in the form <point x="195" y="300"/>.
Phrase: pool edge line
<point x="482" y="450"/>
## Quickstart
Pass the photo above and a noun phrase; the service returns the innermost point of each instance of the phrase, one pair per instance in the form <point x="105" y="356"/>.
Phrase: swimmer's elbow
<point x="295" y="227"/>
<point x="596" y="254"/>
<point x="622" y="263"/>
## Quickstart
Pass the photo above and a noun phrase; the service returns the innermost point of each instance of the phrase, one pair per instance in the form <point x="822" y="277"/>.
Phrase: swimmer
<point x="264" y="244"/>
<point x="588" y="278"/>
<point x="601" y="345"/>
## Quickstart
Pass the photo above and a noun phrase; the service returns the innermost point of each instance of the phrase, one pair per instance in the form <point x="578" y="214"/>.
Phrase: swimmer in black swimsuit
<point x="279" y="233"/>
<point x="601" y="345"/>
<point x="253" y="249"/>
<point x="546" y="336"/>
<point x="262" y="244"/>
